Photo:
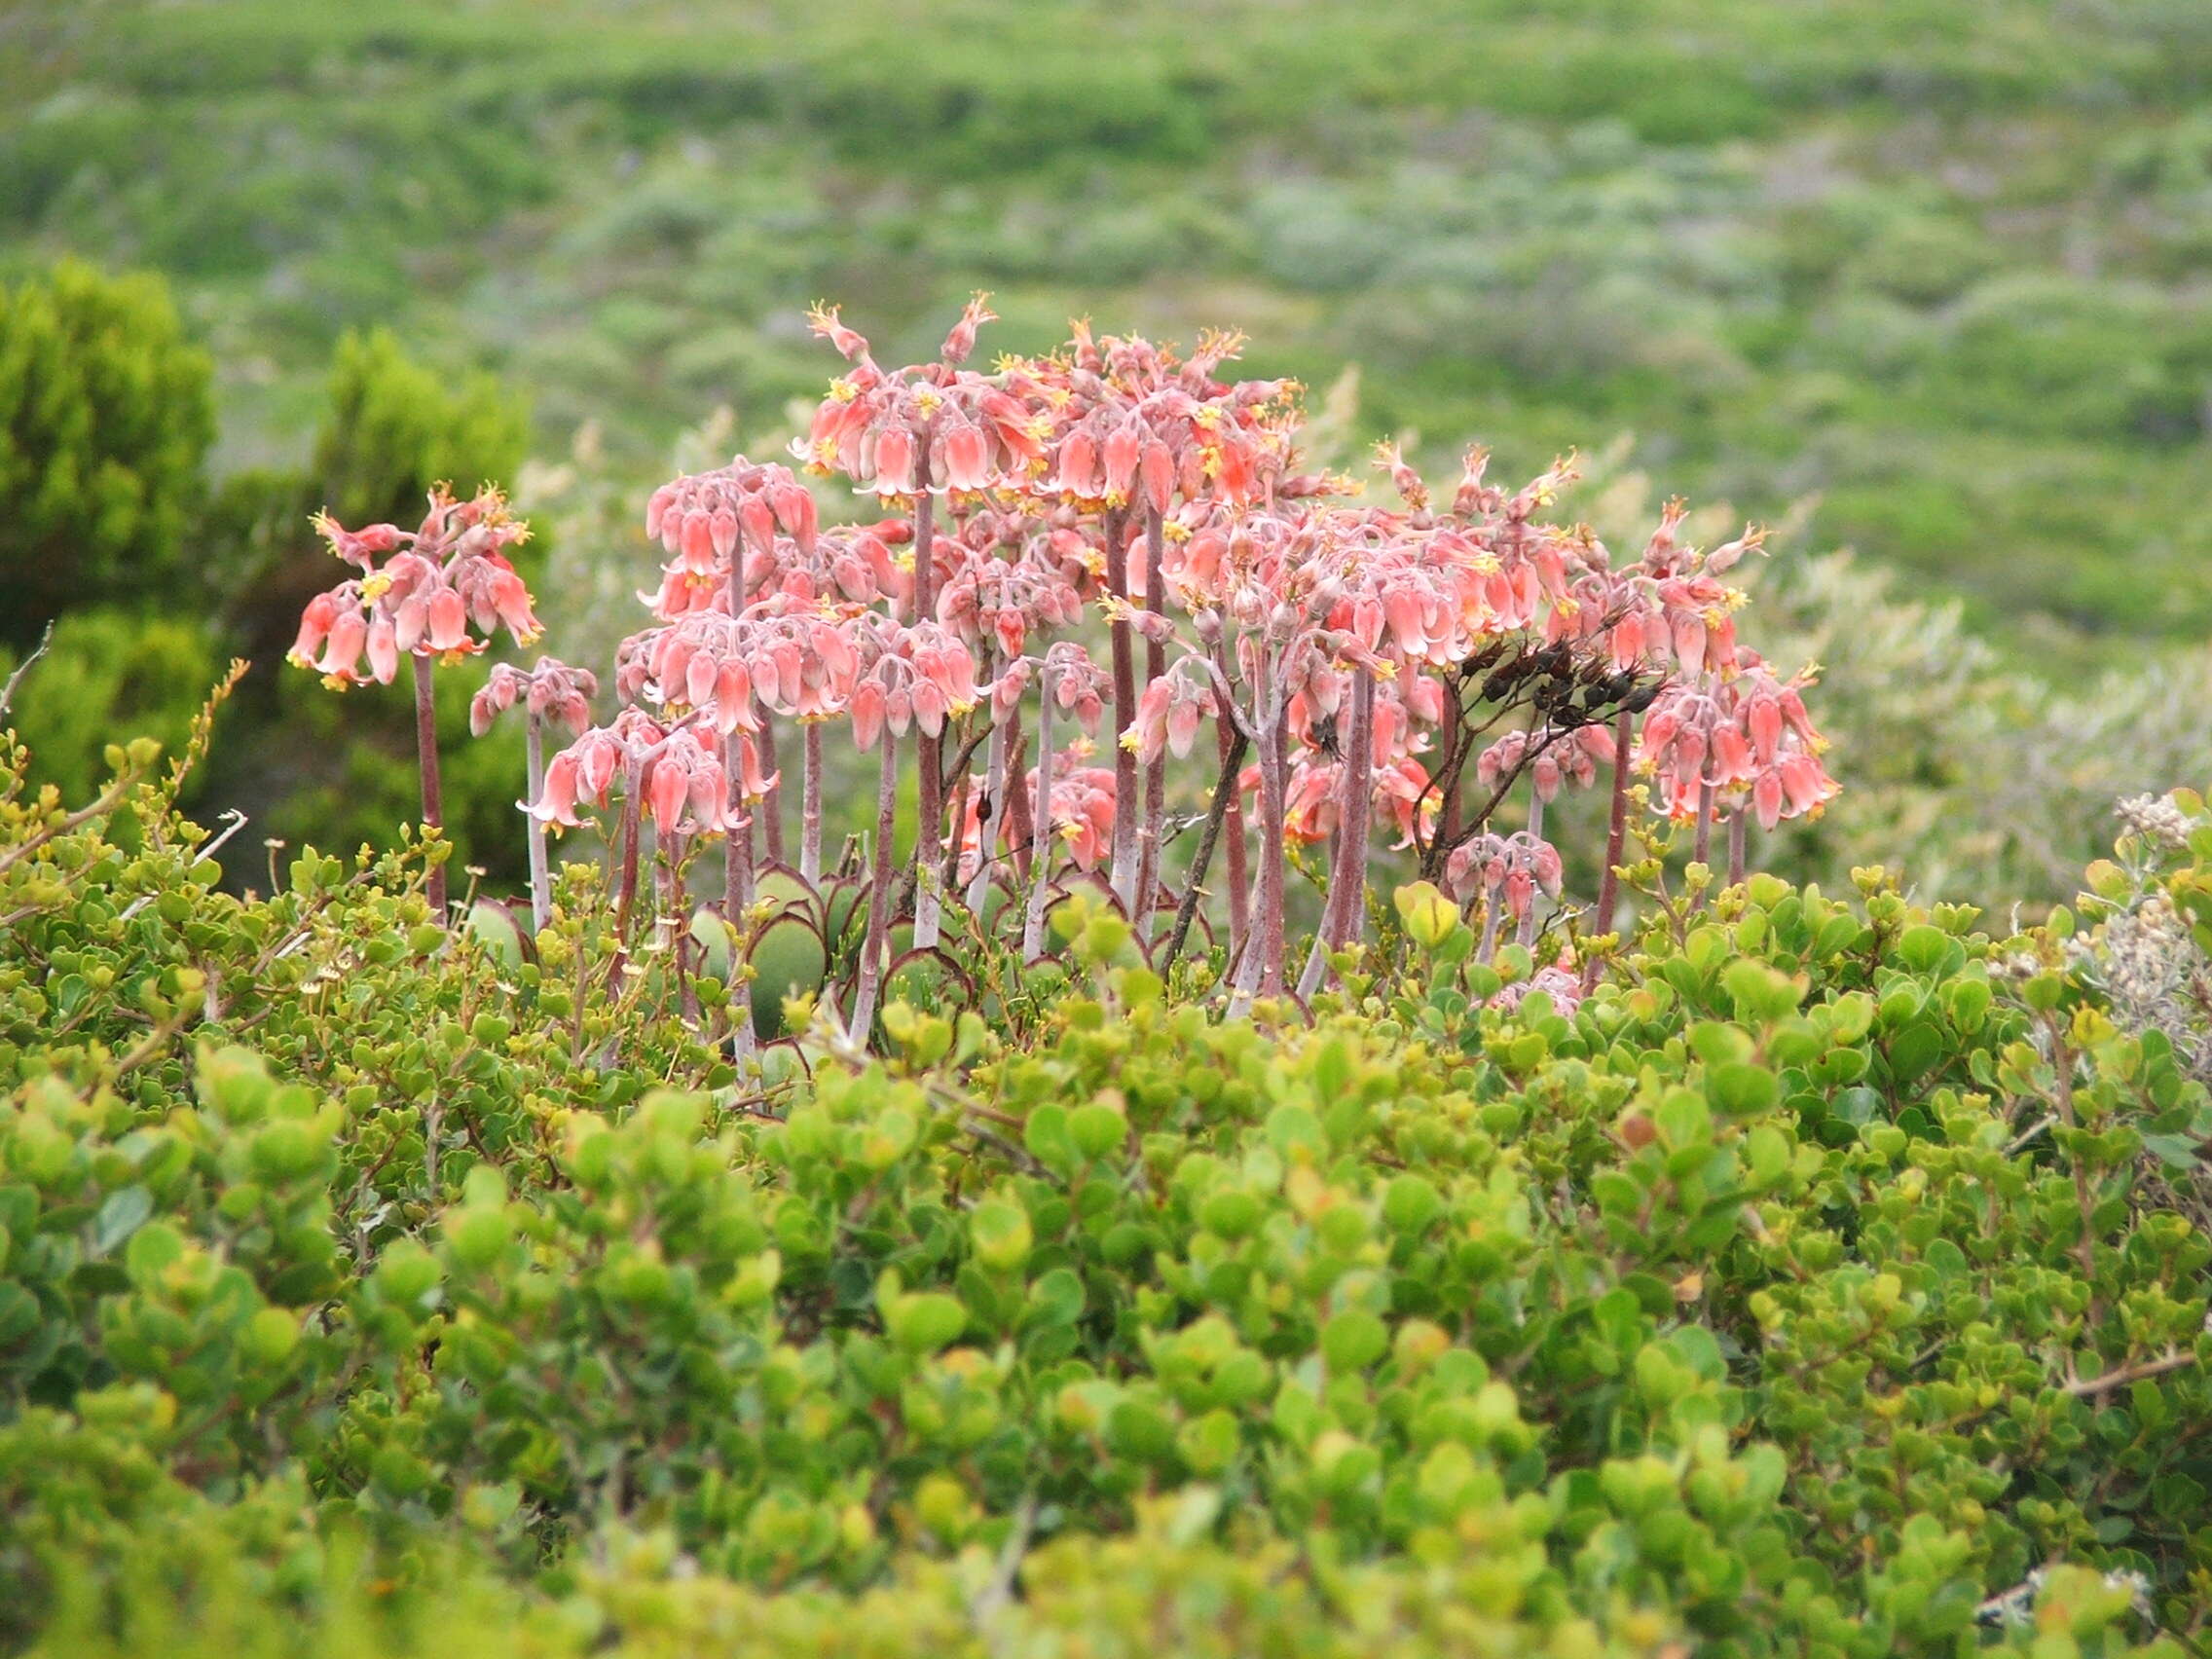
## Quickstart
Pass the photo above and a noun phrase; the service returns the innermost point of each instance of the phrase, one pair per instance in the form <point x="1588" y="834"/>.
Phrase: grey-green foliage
<point x="1973" y="774"/>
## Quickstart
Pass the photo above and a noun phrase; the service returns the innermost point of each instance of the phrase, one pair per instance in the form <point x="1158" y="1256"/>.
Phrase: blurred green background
<point x="1924" y="278"/>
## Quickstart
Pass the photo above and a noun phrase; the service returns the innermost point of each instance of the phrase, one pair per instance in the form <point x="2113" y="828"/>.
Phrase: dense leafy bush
<point x="389" y="430"/>
<point x="395" y="428"/>
<point x="104" y="416"/>
<point x="1802" y="1289"/>
<point x="105" y="675"/>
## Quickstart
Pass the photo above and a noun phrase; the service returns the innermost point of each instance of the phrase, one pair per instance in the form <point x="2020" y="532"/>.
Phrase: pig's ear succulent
<point x="1426" y="665"/>
<point x="420" y="595"/>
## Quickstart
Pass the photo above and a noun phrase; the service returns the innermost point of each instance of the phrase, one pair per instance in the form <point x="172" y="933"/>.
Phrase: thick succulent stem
<point x="926" y="897"/>
<point x="1738" y="832"/>
<point x="1232" y="743"/>
<point x="1122" y="873"/>
<point x="1701" y="847"/>
<point x="878" y="933"/>
<point x="810" y="807"/>
<point x="1525" y="933"/>
<point x="737" y="902"/>
<point x="668" y="884"/>
<point x="772" y="804"/>
<point x="1041" y="858"/>
<point x="1449" y="767"/>
<point x="1020" y="820"/>
<point x="990" y="818"/>
<point x="626" y="886"/>
<point x="1616" y="829"/>
<point x="533" y="831"/>
<point x="1224" y="794"/>
<point x="1492" y="911"/>
<point x="1261" y="973"/>
<point x="737" y="845"/>
<point x="1155" y="770"/>
<point x="426" y="758"/>
<point x="1348" y="872"/>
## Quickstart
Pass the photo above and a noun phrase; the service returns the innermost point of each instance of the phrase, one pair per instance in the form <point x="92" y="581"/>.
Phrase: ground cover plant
<point x="1237" y="1188"/>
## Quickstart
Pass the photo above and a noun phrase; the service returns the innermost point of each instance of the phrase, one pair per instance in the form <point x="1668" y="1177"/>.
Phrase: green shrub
<point x="390" y="429"/>
<point x="107" y="675"/>
<point x="395" y="428"/>
<point x="104" y="418"/>
<point x="1798" y="1290"/>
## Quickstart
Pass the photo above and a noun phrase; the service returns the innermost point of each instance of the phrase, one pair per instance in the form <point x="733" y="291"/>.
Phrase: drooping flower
<point x="450" y="572"/>
<point x="550" y="689"/>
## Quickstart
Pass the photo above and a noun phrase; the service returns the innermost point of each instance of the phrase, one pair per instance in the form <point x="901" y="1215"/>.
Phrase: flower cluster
<point x="420" y="592"/>
<point x="1305" y="661"/>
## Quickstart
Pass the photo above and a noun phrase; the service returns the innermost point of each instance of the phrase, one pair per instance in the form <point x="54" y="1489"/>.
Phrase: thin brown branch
<point x="2090" y="1387"/>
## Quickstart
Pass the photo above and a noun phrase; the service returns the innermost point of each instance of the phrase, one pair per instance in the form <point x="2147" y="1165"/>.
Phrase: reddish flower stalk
<point x="930" y="747"/>
<point x="810" y="806"/>
<point x="1525" y="931"/>
<point x="1122" y="873"/>
<point x="772" y="806"/>
<point x="533" y="833"/>
<point x="551" y="690"/>
<point x="1069" y="679"/>
<point x="1275" y="765"/>
<point x="1450" y="769"/>
<point x="670" y="885"/>
<point x="737" y="838"/>
<point x="1225" y="793"/>
<point x="426" y="762"/>
<point x="1359" y="809"/>
<point x="434" y="583"/>
<point x="1232" y="743"/>
<point x="1041" y="860"/>
<point x="1617" y="826"/>
<point x="626" y="884"/>
<point x="1347" y="872"/>
<point x="877" y="940"/>
<point x="1149" y="849"/>
<point x="1737" y="823"/>
<point x="1020" y="820"/>
<point x="991" y="814"/>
